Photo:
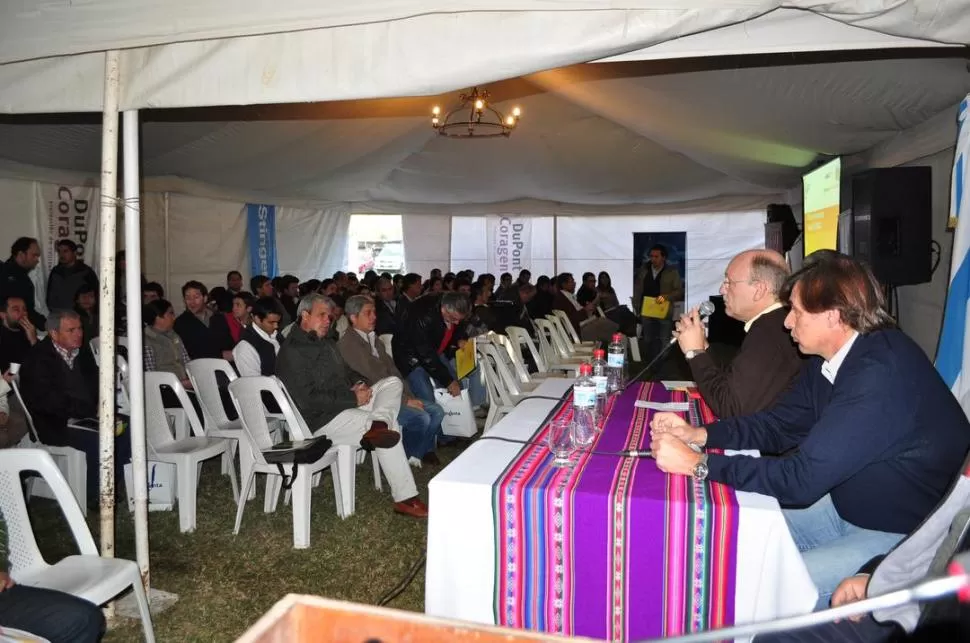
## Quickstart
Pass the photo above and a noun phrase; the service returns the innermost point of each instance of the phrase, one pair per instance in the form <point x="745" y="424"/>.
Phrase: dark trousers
<point x="656" y="335"/>
<point x="55" y="616"/>
<point x="89" y="442"/>
<point x="865" y="631"/>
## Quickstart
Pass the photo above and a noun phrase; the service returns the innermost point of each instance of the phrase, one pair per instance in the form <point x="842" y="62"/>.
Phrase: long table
<point x="768" y="576"/>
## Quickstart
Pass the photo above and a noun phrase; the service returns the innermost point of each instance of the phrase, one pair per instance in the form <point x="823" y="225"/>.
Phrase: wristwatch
<point x="700" y="469"/>
<point x="691" y="354"/>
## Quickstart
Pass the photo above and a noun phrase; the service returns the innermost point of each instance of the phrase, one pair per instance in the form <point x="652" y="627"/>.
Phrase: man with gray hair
<point x="337" y="401"/>
<point x="768" y="361"/>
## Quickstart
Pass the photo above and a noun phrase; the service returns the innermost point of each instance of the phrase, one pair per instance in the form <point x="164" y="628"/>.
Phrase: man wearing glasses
<point x="768" y="361"/>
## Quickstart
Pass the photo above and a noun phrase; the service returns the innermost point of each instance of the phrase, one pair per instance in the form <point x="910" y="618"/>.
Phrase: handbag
<point x="296" y="453"/>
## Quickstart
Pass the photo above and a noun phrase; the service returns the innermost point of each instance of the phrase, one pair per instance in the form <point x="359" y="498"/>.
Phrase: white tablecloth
<point x="771" y="578"/>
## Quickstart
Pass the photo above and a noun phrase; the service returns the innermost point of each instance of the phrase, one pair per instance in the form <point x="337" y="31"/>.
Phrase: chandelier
<point x="474" y="118"/>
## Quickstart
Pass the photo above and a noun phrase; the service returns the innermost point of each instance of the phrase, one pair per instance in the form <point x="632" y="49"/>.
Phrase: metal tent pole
<point x="136" y="373"/>
<point x="106" y="322"/>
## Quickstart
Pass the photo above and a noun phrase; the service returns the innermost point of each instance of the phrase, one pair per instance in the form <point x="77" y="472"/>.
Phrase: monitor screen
<point x="820" y="203"/>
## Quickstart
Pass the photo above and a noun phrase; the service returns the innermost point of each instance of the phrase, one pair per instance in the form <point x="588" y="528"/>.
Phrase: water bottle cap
<point x="617" y="338"/>
<point x="585" y="369"/>
<point x="599" y="353"/>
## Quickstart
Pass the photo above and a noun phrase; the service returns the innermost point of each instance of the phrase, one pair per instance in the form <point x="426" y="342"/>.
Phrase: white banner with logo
<point x="508" y="244"/>
<point x="64" y="212"/>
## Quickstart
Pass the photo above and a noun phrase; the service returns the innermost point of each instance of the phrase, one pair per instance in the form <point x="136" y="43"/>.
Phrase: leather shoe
<point x="379" y="437"/>
<point x="413" y="507"/>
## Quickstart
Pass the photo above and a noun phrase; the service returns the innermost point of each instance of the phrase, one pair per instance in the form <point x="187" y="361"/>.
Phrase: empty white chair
<point x="566" y="347"/>
<point x="519" y="337"/>
<point x="501" y="401"/>
<point x="86" y="575"/>
<point x="187" y="453"/>
<point x="246" y="394"/>
<point x="554" y="362"/>
<point x="493" y="346"/>
<point x="204" y="374"/>
<point x="567" y="326"/>
<point x="75" y="464"/>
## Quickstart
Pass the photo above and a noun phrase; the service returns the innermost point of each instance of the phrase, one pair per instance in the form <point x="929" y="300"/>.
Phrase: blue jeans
<point x="55" y="616"/>
<point x="420" y="383"/>
<point x="420" y="430"/>
<point x="832" y="548"/>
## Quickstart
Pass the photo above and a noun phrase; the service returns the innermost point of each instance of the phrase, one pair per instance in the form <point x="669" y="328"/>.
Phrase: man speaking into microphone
<point x="768" y="361"/>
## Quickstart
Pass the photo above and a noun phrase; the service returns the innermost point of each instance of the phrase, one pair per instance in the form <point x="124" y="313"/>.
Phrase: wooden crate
<point x="298" y="618"/>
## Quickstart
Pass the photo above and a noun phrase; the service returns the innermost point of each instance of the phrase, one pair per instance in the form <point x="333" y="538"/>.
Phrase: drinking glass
<point x="560" y="441"/>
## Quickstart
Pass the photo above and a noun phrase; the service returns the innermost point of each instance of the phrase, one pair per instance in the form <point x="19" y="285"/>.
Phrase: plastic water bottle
<point x="584" y="408"/>
<point x="601" y="379"/>
<point x="615" y="360"/>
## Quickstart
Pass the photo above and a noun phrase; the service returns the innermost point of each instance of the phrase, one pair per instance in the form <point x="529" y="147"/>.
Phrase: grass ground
<point x="225" y="582"/>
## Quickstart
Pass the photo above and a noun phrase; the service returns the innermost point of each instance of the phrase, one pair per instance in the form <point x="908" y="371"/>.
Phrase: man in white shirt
<point x="255" y="354"/>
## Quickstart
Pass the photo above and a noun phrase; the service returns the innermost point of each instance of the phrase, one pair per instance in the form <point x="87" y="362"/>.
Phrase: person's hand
<point x="8" y="377"/>
<point x="851" y="590"/>
<point x="227" y="355"/>
<point x="672" y="455"/>
<point x="661" y="299"/>
<point x="462" y="342"/>
<point x="690" y="332"/>
<point x="454" y="389"/>
<point x="673" y="424"/>
<point x="5" y="581"/>
<point x="363" y="393"/>
<point x="415" y="403"/>
<point x="187" y="384"/>
<point x="30" y="329"/>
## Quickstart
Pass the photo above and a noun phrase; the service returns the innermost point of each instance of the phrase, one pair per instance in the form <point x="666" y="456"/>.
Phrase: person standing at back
<point x="661" y="281"/>
<point x="67" y="277"/>
<point x="15" y="276"/>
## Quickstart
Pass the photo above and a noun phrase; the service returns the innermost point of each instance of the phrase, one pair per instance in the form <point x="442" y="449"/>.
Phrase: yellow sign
<point x="465" y="359"/>
<point x="821" y="191"/>
<point x="654" y="309"/>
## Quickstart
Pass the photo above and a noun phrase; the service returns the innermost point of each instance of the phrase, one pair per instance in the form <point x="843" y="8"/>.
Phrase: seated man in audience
<point x="879" y="435"/>
<point x="255" y="354"/>
<point x="52" y="615"/>
<point x="163" y="348"/>
<point x="17" y="333"/>
<point x="365" y="354"/>
<point x="335" y="401"/>
<point x="234" y="282"/>
<point x="338" y="321"/>
<point x="289" y="294"/>
<point x="428" y="334"/>
<point x="386" y="306"/>
<point x="152" y="291"/>
<point x="541" y="304"/>
<point x="193" y="324"/>
<point x="59" y="383"/>
<point x="589" y="327"/>
<point x="504" y="286"/>
<point x="261" y="286"/>
<point x="227" y="328"/>
<point x="410" y="290"/>
<point x="768" y="361"/>
<point x="525" y="277"/>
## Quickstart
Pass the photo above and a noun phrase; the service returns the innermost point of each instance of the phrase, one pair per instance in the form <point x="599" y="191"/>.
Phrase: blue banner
<point x="261" y="228"/>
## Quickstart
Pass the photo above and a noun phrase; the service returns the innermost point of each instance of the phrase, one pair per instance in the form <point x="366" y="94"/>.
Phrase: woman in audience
<point x="434" y="286"/>
<point x="86" y="305"/>
<point x="227" y="328"/>
<point x="608" y="298"/>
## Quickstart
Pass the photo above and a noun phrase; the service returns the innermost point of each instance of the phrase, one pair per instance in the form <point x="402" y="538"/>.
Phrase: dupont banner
<point x="64" y="212"/>
<point x="261" y="229"/>
<point x="509" y="244"/>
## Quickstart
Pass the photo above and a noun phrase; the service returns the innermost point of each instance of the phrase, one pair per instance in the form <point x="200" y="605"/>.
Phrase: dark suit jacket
<point x="886" y="440"/>
<point x="53" y="393"/>
<point x="577" y="317"/>
<point x="386" y="320"/>
<point x="357" y="354"/>
<point x="759" y="374"/>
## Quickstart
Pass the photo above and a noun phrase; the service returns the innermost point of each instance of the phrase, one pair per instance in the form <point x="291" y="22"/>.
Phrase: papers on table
<point x="675" y="407"/>
<point x="678" y="385"/>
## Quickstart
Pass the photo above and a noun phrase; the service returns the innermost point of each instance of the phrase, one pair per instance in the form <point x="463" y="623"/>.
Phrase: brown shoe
<point x="431" y="458"/>
<point x="413" y="507"/>
<point x="379" y="437"/>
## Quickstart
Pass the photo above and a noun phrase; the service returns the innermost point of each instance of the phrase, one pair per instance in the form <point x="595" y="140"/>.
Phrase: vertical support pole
<point x="136" y="370"/>
<point x="555" y="246"/>
<point x="168" y="251"/>
<point x="106" y="321"/>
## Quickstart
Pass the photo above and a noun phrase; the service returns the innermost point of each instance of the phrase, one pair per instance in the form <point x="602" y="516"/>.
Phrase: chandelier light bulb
<point x="479" y="104"/>
<point x="516" y="112"/>
<point x="435" y="110"/>
<point x="434" y="121"/>
<point x="510" y="121"/>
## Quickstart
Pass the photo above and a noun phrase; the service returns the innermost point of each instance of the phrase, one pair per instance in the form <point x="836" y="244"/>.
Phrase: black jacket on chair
<point x="55" y="393"/>
<point x="420" y="331"/>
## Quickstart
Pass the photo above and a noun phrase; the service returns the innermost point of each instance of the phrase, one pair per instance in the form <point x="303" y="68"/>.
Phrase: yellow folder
<point x="465" y="359"/>
<point x="652" y="308"/>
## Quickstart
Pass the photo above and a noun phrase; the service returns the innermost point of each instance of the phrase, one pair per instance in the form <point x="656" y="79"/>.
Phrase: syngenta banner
<point x="261" y="228"/>
<point x="509" y="244"/>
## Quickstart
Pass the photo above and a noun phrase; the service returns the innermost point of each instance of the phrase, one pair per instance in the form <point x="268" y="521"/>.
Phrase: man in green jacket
<point x="661" y="281"/>
<point x="336" y="402"/>
<point x="53" y="615"/>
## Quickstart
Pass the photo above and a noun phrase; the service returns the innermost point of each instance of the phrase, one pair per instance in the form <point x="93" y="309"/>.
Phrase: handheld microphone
<point x="705" y="310"/>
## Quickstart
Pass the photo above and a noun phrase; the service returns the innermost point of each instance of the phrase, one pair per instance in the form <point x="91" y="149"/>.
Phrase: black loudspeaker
<point x="892" y="225"/>
<point x="781" y="213"/>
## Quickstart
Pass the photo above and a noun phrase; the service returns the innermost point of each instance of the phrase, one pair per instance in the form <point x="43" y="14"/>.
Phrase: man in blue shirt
<point x="873" y="435"/>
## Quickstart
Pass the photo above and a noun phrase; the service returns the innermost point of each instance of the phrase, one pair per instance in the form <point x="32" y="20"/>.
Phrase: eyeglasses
<point x="728" y="283"/>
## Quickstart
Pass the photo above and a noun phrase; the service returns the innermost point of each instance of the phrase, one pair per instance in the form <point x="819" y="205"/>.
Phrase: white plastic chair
<point x="203" y="374"/>
<point x="187" y="453"/>
<point x="570" y="332"/>
<point x="75" y="464"/>
<point x="567" y="348"/>
<point x="246" y="394"/>
<point x="386" y="340"/>
<point x="519" y="337"/>
<point x="88" y="575"/>
<point x="500" y="400"/>
<point x="493" y="347"/>
<point x="554" y="362"/>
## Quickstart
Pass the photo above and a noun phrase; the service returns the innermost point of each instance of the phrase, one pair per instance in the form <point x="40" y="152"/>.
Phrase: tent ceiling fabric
<point x="180" y="53"/>
<point x="600" y="135"/>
